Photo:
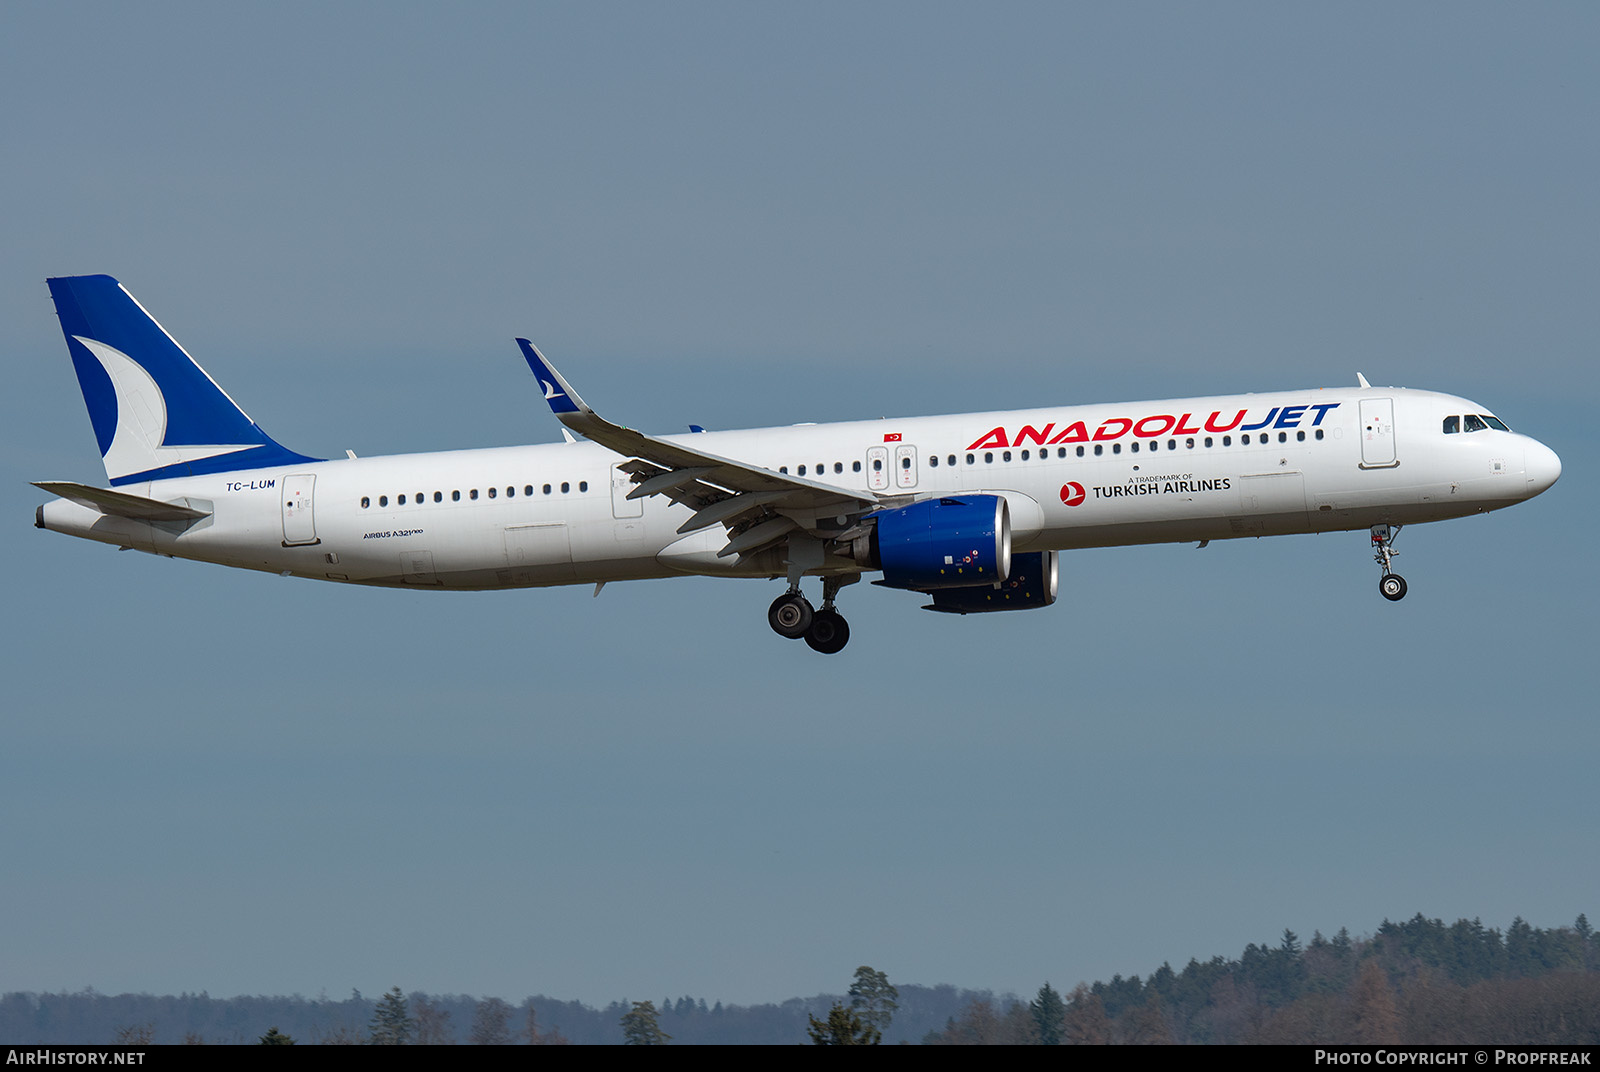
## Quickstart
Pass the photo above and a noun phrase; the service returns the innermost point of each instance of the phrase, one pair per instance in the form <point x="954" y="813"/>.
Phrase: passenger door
<point x="299" y="524"/>
<point x="1377" y="434"/>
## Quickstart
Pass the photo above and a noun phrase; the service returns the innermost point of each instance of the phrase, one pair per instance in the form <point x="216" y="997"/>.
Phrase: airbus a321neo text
<point x="970" y="511"/>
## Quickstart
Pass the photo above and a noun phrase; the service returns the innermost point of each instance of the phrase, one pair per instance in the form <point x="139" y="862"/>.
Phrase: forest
<point x="1414" y="982"/>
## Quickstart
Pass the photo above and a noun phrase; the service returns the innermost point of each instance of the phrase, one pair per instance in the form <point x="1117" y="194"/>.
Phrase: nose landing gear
<point x="1391" y="584"/>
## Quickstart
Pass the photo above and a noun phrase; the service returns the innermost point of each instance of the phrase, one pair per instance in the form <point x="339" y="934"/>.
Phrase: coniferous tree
<point x="1049" y="1012"/>
<point x="642" y="1026"/>
<point x="391" y="1025"/>
<point x="274" y="1037"/>
<point x="843" y="1027"/>
<point x="874" y="998"/>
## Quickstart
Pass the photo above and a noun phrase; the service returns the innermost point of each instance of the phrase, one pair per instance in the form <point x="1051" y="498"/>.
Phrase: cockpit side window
<point x="1494" y="422"/>
<point x="1475" y="423"/>
<point x="1452" y="425"/>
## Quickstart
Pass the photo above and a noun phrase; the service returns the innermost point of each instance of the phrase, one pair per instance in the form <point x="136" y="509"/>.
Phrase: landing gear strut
<point x="829" y="632"/>
<point x="1391" y="584"/>
<point x="824" y="630"/>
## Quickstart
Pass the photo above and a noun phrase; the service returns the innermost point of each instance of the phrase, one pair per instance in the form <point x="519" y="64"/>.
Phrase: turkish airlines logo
<point x="1072" y="493"/>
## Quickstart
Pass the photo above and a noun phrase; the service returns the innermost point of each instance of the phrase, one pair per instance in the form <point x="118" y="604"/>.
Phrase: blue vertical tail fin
<point x="156" y="414"/>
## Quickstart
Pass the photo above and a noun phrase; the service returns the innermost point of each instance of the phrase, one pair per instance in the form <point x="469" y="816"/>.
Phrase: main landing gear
<point x="824" y="630"/>
<point x="1392" y="585"/>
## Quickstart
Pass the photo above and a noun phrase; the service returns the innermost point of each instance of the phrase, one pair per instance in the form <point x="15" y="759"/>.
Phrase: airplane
<point x="970" y="511"/>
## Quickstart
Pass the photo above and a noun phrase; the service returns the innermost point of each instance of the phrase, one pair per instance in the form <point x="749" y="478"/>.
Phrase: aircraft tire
<point x="790" y="616"/>
<point x="829" y="632"/>
<point x="1393" y="587"/>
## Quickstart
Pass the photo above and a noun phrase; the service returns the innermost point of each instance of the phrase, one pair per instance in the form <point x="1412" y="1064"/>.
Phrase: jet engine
<point x="1032" y="583"/>
<point x="941" y="543"/>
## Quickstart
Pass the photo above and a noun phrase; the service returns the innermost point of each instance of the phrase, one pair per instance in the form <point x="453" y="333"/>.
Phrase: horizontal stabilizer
<point x="118" y="504"/>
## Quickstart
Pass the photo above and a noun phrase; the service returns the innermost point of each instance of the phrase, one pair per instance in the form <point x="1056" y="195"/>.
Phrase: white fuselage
<point x="1078" y="476"/>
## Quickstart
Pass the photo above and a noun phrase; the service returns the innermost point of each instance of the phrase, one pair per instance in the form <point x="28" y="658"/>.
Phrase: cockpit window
<point x="1452" y="425"/>
<point x="1475" y="423"/>
<point x="1495" y="422"/>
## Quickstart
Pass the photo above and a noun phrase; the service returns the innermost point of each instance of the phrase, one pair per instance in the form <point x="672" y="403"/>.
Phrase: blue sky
<point x="740" y="215"/>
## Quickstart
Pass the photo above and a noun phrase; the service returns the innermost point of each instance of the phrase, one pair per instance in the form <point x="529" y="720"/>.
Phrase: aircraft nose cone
<point x="1542" y="466"/>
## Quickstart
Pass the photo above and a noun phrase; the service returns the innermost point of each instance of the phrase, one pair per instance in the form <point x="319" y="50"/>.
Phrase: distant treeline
<point x="89" y="1017"/>
<point x="1421" y="981"/>
<point x="1416" y="982"/>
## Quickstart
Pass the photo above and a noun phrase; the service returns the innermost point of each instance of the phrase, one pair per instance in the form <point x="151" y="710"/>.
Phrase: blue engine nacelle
<point x="944" y="543"/>
<point x="1032" y="583"/>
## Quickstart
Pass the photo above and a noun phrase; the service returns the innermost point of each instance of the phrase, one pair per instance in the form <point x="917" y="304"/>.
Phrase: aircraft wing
<point x="718" y="489"/>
